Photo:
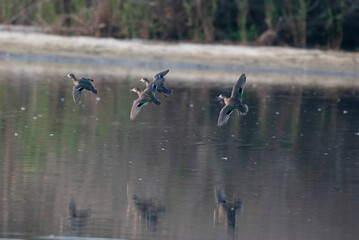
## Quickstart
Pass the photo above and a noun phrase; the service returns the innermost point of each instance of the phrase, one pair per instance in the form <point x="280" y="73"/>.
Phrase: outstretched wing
<point x="160" y="75"/>
<point x="136" y="107"/>
<point x="237" y="90"/>
<point x="76" y="93"/>
<point x="224" y="115"/>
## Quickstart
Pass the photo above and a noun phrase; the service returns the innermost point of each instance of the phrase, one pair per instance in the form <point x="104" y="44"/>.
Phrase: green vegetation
<point x="329" y="24"/>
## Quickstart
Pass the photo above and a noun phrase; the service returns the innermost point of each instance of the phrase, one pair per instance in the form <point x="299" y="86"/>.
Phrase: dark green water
<point x="292" y="161"/>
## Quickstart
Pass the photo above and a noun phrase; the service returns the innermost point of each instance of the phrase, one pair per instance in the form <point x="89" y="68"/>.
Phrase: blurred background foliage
<point x="326" y="24"/>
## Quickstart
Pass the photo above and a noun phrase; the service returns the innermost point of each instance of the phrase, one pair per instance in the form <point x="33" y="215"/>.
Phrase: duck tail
<point x="155" y="101"/>
<point x="167" y="92"/>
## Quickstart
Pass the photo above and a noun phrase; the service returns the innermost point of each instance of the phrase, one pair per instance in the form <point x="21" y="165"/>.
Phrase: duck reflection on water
<point x="145" y="210"/>
<point x="148" y="208"/>
<point x="78" y="218"/>
<point x="226" y="208"/>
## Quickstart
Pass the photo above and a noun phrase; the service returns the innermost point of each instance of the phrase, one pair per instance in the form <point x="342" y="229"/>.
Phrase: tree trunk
<point x="243" y="7"/>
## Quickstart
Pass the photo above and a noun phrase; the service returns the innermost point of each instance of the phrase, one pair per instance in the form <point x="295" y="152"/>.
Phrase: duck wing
<point x="160" y="75"/>
<point x="237" y="91"/>
<point x="224" y="115"/>
<point x="136" y="107"/>
<point x="76" y="93"/>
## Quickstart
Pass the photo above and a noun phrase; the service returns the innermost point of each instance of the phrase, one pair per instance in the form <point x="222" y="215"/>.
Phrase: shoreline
<point x="268" y="64"/>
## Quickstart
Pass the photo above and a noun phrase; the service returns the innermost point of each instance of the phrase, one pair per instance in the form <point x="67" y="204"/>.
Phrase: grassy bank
<point x="327" y="24"/>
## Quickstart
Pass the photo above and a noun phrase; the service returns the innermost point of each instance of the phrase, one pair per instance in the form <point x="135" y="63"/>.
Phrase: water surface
<point x="182" y="65"/>
<point x="89" y="171"/>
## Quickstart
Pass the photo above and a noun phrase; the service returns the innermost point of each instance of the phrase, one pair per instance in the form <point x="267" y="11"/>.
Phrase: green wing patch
<point x="141" y="103"/>
<point x="240" y="93"/>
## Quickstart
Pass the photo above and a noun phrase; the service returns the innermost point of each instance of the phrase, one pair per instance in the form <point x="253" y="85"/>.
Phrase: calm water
<point x="88" y="171"/>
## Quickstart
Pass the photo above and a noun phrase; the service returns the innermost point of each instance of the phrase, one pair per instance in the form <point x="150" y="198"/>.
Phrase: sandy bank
<point x="276" y="58"/>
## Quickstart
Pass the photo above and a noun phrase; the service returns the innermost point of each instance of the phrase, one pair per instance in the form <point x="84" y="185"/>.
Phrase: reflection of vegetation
<point x="298" y="23"/>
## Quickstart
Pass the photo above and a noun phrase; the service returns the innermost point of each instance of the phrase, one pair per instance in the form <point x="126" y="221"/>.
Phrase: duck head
<point x="71" y="76"/>
<point x="136" y="90"/>
<point x="221" y="96"/>
<point x="145" y="80"/>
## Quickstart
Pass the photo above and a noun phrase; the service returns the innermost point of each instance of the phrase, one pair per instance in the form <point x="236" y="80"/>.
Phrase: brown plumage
<point x="144" y="97"/>
<point x="158" y="84"/>
<point x="80" y="85"/>
<point x="234" y="102"/>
